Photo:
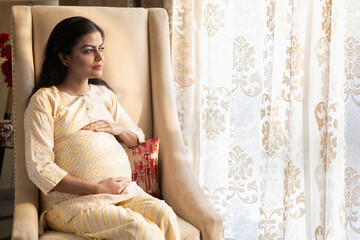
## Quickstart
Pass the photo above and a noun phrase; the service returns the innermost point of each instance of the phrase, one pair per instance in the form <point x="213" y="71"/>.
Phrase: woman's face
<point x="87" y="59"/>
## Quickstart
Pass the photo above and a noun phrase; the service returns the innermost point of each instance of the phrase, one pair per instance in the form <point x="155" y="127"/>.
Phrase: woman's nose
<point x="99" y="56"/>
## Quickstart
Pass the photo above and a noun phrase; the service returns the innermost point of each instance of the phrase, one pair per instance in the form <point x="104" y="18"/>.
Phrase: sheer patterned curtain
<point x="268" y="98"/>
<point x="279" y="118"/>
<point x="352" y="119"/>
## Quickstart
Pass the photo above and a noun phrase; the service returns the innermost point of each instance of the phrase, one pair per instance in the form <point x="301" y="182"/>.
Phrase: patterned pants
<point x="141" y="217"/>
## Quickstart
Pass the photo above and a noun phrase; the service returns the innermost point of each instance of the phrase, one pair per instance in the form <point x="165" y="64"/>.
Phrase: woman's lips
<point x="98" y="67"/>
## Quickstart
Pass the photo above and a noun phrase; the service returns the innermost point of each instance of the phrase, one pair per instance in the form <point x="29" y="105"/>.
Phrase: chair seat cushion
<point x="53" y="235"/>
<point x="187" y="232"/>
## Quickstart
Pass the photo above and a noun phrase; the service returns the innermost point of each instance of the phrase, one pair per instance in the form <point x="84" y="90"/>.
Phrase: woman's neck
<point x="74" y="87"/>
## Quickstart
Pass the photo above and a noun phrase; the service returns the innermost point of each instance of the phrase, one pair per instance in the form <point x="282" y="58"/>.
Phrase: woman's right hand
<point x="114" y="185"/>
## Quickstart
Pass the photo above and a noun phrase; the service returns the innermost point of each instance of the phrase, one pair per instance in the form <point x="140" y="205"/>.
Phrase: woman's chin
<point x="98" y="75"/>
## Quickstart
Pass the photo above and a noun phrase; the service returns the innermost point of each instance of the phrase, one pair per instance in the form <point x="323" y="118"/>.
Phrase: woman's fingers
<point x="101" y="129"/>
<point x="119" y="179"/>
<point x="123" y="183"/>
<point x="96" y="124"/>
<point x="115" y="185"/>
<point x="100" y="126"/>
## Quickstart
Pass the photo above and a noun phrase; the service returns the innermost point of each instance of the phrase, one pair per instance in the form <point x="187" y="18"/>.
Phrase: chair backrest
<point x="134" y="38"/>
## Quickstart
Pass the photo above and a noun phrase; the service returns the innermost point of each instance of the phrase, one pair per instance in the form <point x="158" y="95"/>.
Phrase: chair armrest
<point x="25" y="223"/>
<point x="182" y="192"/>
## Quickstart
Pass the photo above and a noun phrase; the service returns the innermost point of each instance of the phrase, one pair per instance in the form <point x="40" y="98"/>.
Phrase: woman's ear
<point x="64" y="59"/>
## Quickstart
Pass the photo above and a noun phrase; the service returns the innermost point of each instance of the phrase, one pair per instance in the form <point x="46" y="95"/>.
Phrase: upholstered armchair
<point x="138" y="69"/>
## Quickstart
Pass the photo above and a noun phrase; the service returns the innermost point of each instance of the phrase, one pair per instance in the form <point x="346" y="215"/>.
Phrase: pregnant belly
<point x="92" y="156"/>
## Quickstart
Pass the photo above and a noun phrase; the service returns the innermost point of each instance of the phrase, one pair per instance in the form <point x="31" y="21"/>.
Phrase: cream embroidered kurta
<point x="55" y="146"/>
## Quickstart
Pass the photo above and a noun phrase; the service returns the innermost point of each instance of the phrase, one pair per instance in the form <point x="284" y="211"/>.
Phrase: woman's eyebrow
<point x="92" y="46"/>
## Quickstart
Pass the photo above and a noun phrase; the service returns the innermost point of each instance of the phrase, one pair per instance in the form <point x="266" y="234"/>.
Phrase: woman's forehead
<point x="93" y="38"/>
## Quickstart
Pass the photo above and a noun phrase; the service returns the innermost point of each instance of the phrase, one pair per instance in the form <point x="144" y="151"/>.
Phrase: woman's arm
<point x="133" y="135"/>
<point x="123" y="134"/>
<point x="73" y="185"/>
<point x="39" y="142"/>
<point x="129" y="138"/>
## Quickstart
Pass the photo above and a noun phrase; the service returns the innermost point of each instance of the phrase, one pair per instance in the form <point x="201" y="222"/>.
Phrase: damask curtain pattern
<point x="278" y="131"/>
<point x="328" y="165"/>
<point x="352" y="119"/>
<point x="231" y="88"/>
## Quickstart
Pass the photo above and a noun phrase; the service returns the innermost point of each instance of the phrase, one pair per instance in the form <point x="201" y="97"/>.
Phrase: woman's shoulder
<point x="45" y="94"/>
<point x="45" y="91"/>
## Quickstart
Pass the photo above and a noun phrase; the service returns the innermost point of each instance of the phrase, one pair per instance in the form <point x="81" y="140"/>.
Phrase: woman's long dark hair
<point x="63" y="38"/>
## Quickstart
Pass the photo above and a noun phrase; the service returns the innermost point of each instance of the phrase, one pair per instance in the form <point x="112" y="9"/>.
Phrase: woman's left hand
<point x="104" y="126"/>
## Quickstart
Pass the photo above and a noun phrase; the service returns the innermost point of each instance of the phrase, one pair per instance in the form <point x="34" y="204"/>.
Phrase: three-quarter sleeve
<point x="39" y="144"/>
<point x="122" y="118"/>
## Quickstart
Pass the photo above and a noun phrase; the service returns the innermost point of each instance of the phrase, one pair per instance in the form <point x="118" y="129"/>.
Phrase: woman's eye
<point x="88" y="51"/>
<point x="101" y="49"/>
